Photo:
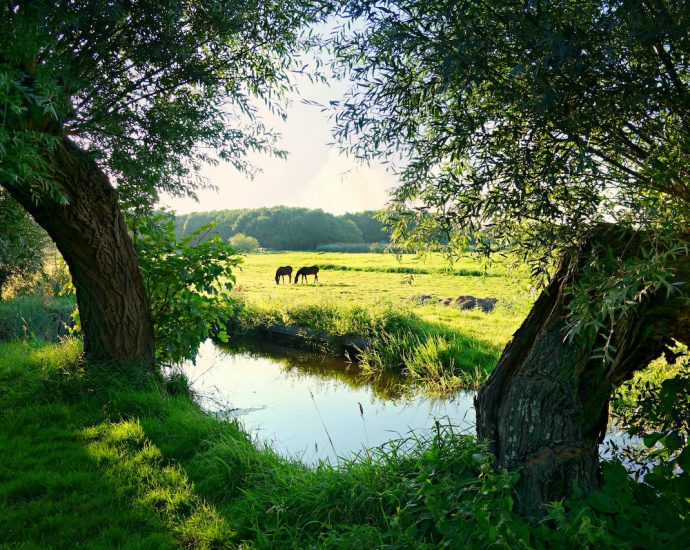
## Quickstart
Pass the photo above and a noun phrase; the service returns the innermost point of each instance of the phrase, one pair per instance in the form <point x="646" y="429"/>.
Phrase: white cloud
<point x="341" y="185"/>
<point x="314" y="175"/>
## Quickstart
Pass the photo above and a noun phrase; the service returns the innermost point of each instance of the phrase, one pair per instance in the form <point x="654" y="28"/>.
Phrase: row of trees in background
<point x="287" y="228"/>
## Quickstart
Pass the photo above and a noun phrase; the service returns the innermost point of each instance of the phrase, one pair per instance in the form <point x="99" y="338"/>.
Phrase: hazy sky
<point x="314" y="175"/>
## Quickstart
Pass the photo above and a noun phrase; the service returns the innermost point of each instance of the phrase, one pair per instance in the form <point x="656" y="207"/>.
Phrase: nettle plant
<point x="187" y="284"/>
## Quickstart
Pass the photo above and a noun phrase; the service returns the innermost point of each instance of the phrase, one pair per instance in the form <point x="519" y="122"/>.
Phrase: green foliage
<point x="659" y="415"/>
<point x="42" y="317"/>
<point x="278" y="228"/>
<point x="243" y="242"/>
<point x="177" y="477"/>
<point x="520" y="123"/>
<point x="22" y="242"/>
<point x="370" y="225"/>
<point x="626" y="282"/>
<point x="434" y="358"/>
<point x="622" y="514"/>
<point x="187" y="283"/>
<point x="149" y="89"/>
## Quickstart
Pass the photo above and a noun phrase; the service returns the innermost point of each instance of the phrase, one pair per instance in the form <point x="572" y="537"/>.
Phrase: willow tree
<point x="558" y="129"/>
<point x="99" y="94"/>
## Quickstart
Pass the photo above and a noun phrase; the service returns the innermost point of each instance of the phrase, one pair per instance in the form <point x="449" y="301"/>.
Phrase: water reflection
<point x="315" y="407"/>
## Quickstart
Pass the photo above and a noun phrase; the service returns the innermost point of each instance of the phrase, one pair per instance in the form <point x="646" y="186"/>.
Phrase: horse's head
<point x="277" y="279"/>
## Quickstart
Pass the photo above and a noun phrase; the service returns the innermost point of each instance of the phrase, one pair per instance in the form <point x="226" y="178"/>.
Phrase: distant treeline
<point x="285" y="228"/>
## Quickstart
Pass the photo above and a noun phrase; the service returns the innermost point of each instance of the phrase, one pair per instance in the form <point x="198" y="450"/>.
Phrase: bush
<point x="378" y="248"/>
<point x="187" y="283"/>
<point x="243" y="242"/>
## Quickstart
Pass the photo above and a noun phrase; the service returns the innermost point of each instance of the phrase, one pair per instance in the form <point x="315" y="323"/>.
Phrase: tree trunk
<point x="544" y="409"/>
<point x="90" y="233"/>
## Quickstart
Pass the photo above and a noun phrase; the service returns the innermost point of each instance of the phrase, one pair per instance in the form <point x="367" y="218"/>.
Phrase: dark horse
<point x="282" y="271"/>
<point x="304" y="271"/>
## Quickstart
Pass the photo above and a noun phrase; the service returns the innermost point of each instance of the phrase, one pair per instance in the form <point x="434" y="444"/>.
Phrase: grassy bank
<point x="438" y="348"/>
<point x="116" y="458"/>
<point x="428" y="353"/>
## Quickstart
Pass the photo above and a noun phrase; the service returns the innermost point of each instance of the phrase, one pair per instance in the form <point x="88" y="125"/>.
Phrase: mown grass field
<point x="370" y="294"/>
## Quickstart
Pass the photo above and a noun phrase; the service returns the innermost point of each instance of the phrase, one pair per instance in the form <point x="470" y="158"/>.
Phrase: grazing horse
<point x="282" y="271"/>
<point x="304" y="271"/>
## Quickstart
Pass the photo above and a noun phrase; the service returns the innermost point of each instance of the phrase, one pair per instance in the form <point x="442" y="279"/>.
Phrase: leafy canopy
<point x="528" y="122"/>
<point x="150" y="88"/>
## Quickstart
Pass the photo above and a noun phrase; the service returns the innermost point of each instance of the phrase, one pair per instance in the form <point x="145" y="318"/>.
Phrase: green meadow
<point x="372" y="295"/>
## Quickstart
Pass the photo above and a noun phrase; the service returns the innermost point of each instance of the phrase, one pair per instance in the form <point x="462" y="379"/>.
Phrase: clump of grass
<point x="38" y="317"/>
<point x="435" y="361"/>
<point x="463" y="272"/>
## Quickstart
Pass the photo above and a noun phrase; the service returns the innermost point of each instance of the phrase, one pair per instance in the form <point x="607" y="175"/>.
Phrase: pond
<point x="312" y="407"/>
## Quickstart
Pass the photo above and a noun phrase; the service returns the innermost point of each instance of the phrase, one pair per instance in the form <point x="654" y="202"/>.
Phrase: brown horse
<point x="304" y="271"/>
<point x="282" y="271"/>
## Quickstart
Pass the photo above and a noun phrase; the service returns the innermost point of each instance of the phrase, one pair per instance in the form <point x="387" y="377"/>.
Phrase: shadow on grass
<point x="70" y="476"/>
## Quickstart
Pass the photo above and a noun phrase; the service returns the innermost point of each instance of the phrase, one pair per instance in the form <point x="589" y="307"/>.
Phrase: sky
<point x="315" y="174"/>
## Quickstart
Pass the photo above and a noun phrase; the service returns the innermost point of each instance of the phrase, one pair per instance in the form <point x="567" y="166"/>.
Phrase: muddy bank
<point x="302" y="338"/>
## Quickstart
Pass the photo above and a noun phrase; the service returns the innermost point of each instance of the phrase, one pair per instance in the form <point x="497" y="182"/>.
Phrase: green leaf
<point x="651" y="439"/>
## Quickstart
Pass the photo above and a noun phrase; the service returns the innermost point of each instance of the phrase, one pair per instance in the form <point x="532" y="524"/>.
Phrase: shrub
<point x="243" y="242"/>
<point x="186" y="283"/>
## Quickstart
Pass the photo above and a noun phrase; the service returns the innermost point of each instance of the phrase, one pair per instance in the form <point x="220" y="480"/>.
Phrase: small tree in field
<point x="95" y="92"/>
<point x="243" y="242"/>
<point x="560" y="130"/>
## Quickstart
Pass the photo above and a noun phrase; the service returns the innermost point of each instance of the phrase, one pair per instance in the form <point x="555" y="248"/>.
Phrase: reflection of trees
<point x="304" y="365"/>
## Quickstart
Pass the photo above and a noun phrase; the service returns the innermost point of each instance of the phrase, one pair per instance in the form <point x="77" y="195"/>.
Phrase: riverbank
<point x="383" y="338"/>
<point x="111" y="457"/>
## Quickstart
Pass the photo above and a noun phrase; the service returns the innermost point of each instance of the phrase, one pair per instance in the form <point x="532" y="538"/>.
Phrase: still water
<point x="313" y="407"/>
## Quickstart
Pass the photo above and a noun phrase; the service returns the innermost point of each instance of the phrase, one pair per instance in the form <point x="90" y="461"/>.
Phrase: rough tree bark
<point x="90" y="234"/>
<point x="544" y="409"/>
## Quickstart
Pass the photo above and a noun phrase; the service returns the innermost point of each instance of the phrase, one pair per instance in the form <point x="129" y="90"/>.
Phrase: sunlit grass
<point x="439" y="348"/>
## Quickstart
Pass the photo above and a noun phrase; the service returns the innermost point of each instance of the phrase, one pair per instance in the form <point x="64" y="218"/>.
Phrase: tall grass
<point x="40" y="317"/>
<point x="428" y="354"/>
<point x="463" y="272"/>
